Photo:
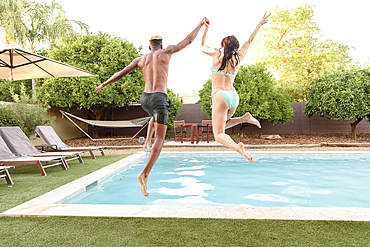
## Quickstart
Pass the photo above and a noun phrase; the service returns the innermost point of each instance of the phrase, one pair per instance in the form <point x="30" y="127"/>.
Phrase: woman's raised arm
<point x="246" y="45"/>
<point x="206" y="49"/>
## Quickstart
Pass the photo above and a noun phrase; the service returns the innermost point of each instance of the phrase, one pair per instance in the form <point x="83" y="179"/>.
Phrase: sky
<point x="342" y="21"/>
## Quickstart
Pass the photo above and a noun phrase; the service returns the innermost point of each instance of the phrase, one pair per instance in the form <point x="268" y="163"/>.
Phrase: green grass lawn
<point x="28" y="182"/>
<point x="103" y="231"/>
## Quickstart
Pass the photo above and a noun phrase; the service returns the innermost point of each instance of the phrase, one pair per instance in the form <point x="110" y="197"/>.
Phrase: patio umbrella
<point x="18" y="64"/>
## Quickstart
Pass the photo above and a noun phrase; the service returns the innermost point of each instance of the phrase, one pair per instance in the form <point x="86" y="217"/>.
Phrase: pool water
<point x="211" y="179"/>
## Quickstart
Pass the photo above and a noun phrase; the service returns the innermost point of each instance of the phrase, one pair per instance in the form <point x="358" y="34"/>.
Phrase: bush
<point x="23" y="114"/>
<point x="342" y="95"/>
<point x="174" y="111"/>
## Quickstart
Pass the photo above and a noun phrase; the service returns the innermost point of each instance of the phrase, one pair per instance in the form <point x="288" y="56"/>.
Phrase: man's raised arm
<point x="189" y="38"/>
<point x="119" y="75"/>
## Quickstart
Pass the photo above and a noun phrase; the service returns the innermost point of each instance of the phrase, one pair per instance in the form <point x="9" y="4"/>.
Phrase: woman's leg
<point x="247" y="118"/>
<point x="220" y="114"/>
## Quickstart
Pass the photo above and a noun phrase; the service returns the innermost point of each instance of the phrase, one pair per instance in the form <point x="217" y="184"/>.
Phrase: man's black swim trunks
<point x="156" y="104"/>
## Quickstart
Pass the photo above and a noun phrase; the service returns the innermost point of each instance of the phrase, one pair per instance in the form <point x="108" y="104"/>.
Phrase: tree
<point x="342" y="95"/>
<point x="9" y="88"/>
<point x="11" y="19"/>
<point x="100" y="54"/>
<point x="47" y="23"/>
<point x="291" y="47"/>
<point x="258" y="95"/>
<point x="30" y="23"/>
<point x="103" y="55"/>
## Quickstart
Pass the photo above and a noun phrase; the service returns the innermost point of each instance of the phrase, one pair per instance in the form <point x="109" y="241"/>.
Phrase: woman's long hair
<point x="231" y="46"/>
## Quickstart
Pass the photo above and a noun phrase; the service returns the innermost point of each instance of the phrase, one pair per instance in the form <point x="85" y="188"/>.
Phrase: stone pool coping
<point x="49" y="203"/>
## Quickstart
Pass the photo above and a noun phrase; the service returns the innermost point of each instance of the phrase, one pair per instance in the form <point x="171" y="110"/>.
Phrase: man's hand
<point x="99" y="88"/>
<point x="206" y="21"/>
<point x="264" y="19"/>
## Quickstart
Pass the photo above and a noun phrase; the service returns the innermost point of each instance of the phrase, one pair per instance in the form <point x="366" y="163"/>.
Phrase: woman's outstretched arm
<point x="206" y="49"/>
<point x="246" y="45"/>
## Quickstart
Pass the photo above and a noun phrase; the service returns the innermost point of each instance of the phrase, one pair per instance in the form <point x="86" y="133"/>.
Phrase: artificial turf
<point x="28" y="182"/>
<point x="95" y="231"/>
<point x="105" y="231"/>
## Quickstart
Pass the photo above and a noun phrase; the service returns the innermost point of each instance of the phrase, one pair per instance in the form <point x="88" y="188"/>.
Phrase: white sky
<point x="342" y="21"/>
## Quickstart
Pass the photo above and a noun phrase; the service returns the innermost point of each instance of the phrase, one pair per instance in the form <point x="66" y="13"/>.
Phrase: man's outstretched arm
<point x="119" y="75"/>
<point x="189" y="38"/>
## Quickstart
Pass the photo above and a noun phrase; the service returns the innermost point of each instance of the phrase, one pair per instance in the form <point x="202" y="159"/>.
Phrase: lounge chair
<point x="5" y="174"/>
<point x="51" y="138"/>
<point x="7" y="158"/>
<point x="20" y="145"/>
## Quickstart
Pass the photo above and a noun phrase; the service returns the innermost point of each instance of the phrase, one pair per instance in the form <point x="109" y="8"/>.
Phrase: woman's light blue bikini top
<point x="220" y="72"/>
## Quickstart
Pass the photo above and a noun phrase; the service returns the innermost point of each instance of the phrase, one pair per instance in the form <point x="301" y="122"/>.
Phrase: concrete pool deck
<point x="49" y="204"/>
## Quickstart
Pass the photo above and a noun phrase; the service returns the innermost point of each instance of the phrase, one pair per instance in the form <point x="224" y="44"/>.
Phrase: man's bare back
<point x="154" y="66"/>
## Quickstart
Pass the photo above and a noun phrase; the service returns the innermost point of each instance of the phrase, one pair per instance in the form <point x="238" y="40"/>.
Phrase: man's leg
<point x="159" y="135"/>
<point x="149" y="135"/>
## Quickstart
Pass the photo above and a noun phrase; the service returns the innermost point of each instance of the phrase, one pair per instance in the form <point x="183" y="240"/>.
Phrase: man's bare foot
<point x="143" y="181"/>
<point x="146" y="147"/>
<point x="250" y="119"/>
<point x="240" y="149"/>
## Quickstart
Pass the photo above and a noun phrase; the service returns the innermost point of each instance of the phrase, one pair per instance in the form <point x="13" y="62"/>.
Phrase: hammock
<point x="138" y="122"/>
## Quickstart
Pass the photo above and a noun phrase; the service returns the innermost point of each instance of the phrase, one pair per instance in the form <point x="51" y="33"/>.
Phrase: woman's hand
<point x="264" y="19"/>
<point x="206" y="21"/>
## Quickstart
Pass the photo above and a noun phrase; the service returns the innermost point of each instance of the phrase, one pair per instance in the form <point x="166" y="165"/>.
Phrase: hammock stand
<point x="139" y="122"/>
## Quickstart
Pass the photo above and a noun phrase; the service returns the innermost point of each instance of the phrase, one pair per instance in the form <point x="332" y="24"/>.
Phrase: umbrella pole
<point x="33" y="90"/>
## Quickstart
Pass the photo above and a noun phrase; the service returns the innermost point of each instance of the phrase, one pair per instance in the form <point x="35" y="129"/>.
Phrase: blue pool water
<point x="274" y="180"/>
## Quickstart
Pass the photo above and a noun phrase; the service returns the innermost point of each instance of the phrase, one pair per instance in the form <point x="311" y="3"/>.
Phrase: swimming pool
<point x="49" y="204"/>
<point x="214" y="179"/>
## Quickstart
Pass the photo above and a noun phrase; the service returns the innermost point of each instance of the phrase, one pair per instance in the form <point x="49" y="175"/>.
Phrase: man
<point x="154" y="100"/>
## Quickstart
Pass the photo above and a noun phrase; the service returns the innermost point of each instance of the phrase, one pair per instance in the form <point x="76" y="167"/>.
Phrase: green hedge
<point x="26" y="116"/>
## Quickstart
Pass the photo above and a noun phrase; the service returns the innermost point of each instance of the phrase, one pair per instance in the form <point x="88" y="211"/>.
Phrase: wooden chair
<point x="206" y="135"/>
<point x="177" y="129"/>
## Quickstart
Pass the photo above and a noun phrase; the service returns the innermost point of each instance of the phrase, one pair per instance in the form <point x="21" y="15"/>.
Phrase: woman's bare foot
<point x="143" y="181"/>
<point x="250" y="119"/>
<point x="240" y="149"/>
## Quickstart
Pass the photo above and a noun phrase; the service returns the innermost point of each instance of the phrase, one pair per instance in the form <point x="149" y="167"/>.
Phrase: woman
<point x="225" y="100"/>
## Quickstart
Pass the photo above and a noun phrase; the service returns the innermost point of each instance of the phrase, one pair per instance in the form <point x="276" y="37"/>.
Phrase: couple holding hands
<point x="154" y="100"/>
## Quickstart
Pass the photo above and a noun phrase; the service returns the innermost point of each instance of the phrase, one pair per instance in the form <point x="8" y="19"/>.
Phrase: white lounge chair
<point x="7" y="158"/>
<point x="20" y="145"/>
<point x="51" y="138"/>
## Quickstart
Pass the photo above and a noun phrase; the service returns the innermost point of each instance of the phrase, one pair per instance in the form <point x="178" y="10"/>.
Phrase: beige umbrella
<point x="18" y="64"/>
